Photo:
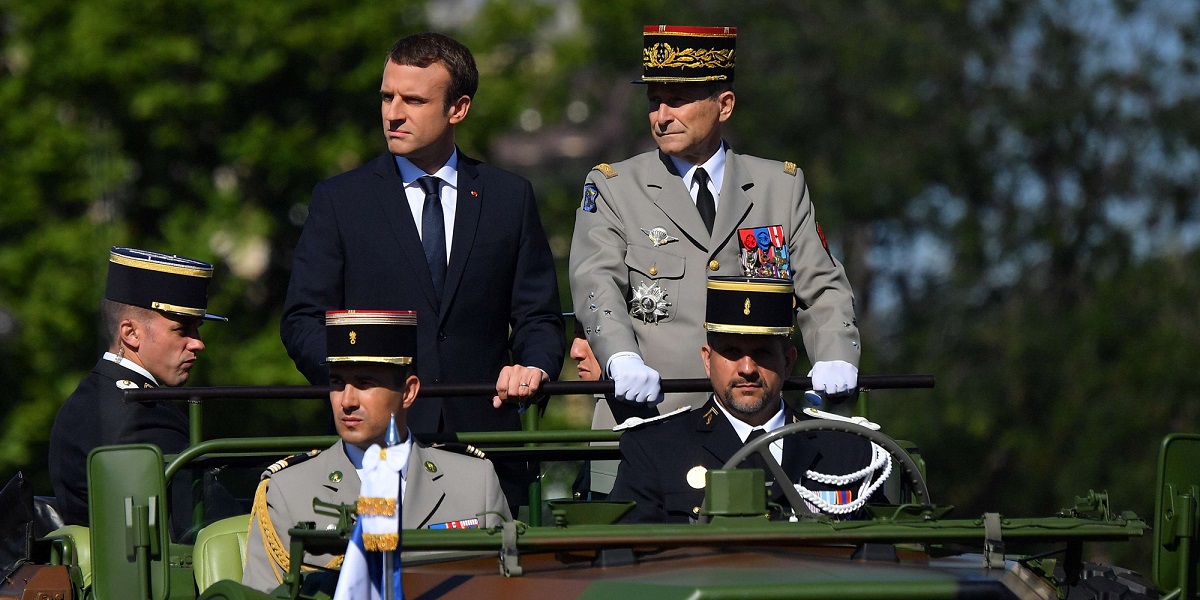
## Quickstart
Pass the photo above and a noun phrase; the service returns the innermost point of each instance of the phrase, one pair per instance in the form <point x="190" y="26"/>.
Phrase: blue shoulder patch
<point x="589" y="198"/>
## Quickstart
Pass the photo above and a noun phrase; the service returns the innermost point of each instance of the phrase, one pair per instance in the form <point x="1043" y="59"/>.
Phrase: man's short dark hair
<point x="113" y="312"/>
<point x="400" y="374"/>
<point x="712" y="89"/>
<point x="424" y="49"/>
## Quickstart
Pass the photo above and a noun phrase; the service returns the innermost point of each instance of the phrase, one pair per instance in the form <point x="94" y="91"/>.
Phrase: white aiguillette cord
<point x="860" y="421"/>
<point x="632" y="422"/>
<point x="879" y="461"/>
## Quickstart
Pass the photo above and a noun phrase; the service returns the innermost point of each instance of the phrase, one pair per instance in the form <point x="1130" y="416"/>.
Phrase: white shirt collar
<point x="743" y="428"/>
<point x="129" y="364"/>
<point x="447" y="173"/>
<point x="714" y="166"/>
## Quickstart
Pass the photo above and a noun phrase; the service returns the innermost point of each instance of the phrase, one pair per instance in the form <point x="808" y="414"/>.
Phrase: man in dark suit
<point x="152" y="310"/>
<point x="748" y="355"/>
<point x="424" y="227"/>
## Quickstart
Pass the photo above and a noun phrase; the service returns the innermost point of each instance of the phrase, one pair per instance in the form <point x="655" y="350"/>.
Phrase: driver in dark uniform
<point x="748" y="354"/>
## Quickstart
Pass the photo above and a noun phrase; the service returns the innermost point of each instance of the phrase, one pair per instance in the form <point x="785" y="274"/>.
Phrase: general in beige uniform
<point x="611" y="258"/>
<point x="641" y="252"/>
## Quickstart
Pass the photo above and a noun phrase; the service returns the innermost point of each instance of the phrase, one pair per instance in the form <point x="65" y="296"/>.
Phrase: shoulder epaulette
<point x="789" y="167"/>
<point x="289" y="461"/>
<point x="458" y="448"/>
<point x="606" y="169"/>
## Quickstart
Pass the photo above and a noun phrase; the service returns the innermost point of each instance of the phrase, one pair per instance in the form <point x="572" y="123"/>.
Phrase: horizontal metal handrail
<point x="453" y="390"/>
<point x="542" y="539"/>
<point x="300" y="443"/>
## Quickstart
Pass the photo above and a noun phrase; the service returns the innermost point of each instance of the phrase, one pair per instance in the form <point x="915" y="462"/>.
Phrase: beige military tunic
<point x="614" y="261"/>
<point x="440" y="487"/>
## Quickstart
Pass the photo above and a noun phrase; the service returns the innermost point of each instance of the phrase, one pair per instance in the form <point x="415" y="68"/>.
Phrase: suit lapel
<point x="734" y="204"/>
<point x="670" y="194"/>
<point x="423" y="494"/>
<point x="466" y="223"/>
<point x="389" y="193"/>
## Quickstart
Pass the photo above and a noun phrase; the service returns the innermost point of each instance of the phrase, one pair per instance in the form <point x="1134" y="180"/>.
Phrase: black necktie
<point x="433" y="232"/>
<point x="756" y="460"/>
<point x="704" y="200"/>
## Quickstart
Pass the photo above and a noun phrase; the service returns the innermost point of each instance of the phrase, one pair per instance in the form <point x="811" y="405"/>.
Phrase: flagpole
<point x="389" y="591"/>
<point x="392" y="440"/>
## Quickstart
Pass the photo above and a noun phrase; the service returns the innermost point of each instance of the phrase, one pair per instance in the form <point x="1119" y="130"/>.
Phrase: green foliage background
<point x="1012" y="186"/>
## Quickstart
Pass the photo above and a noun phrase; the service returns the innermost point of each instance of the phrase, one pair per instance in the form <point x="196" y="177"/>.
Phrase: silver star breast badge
<point x="649" y="303"/>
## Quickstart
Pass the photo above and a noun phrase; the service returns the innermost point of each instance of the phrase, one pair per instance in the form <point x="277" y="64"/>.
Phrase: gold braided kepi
<point x="371" y="336"/>
<point x="751" y="306"/>
<point x="684" y="54"/>
<point x="167" y="283"/>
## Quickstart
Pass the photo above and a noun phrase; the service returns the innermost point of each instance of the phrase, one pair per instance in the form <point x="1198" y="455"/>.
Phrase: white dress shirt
<point x="129" y="364"/>
<point x="743" y="430"/>
<point x="447" y="190"/>
<point x="714" y="166"/>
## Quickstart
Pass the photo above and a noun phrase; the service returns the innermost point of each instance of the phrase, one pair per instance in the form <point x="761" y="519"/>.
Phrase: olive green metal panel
<point x="847" y="580"/>
<point x="735" y="492"/>
<point x="229" y="590"/>
<point x="1176" y="502"/>
<point x="128" y="515"/>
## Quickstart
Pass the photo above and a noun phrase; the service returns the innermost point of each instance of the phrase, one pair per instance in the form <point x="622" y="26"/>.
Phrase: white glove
<point x="634" y="381"/>
<point x="834" y="377"/>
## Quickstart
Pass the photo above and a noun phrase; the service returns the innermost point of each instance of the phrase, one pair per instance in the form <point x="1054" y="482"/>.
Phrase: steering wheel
<point x="909" y="472"/>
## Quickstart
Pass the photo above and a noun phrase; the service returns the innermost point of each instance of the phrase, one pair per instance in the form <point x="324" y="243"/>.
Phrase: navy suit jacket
<point x="656" y="458"/>
<point x="360" y="250"/>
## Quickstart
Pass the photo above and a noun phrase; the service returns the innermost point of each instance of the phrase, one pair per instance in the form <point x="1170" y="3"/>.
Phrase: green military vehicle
<point x="572" y="548"/>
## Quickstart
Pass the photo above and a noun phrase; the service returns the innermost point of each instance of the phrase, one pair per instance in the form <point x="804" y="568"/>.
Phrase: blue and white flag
<point x="372" y="562"/>
<point x="362" y="574"/>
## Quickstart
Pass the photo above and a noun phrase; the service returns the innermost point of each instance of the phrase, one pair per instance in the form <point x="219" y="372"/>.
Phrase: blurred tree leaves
<point x="1012" y="186"/>
<point x="195" y="128"/>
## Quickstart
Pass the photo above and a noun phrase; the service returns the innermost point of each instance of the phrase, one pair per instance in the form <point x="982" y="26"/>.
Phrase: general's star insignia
<point x="649" y="303"/>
